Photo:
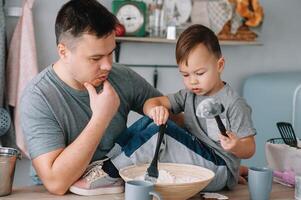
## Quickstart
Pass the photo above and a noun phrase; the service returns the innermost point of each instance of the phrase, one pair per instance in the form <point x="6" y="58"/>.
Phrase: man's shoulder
<point x="128" y="82"/>
<point x="37" y="84"/>
<point x="121" y="70"/>
<point x="121" y="75"/>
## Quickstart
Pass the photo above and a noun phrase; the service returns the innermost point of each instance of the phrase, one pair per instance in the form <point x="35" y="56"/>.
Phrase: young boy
<point x="201" y="63"/>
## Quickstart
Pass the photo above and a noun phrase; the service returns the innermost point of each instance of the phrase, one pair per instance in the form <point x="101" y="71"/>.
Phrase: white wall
<point x="280" y="37"/>
<point x="280" y="50"/>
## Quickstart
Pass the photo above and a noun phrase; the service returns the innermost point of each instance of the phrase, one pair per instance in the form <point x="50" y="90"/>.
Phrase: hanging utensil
<point x="5" y="121"/>
<point x="152" y="172"/>
<point x="287" y="133"/>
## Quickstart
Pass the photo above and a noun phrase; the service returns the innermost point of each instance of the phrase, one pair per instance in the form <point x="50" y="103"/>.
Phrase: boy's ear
<point x="221" y="64"/>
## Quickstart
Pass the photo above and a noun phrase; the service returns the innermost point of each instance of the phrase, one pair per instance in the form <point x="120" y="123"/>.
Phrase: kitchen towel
<point x="21" y="65"/>
<point x="2" y="53"/>
<point x="282" y="157"/>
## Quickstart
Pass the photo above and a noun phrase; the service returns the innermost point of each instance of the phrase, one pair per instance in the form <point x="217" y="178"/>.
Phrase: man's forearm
<point x="67" y="165"/>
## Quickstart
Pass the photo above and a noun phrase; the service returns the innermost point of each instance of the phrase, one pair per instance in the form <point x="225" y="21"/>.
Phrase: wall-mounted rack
<point x="154" y="40"/>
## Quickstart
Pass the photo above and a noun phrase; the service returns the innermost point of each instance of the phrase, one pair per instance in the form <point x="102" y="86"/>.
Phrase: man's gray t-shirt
<point x="236" y="117"/>
<point x="54" y="114"/>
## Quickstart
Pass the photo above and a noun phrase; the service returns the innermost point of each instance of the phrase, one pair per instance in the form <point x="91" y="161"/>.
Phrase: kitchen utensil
<point x="8" y="157"/>
<point x="152" y="172"/>
<point x="142" y="190"/>
<point x="209" y="108"/>
<point x="5" y="121"/>
<point x="287" y="133"/>
<point x="260" y="181"/>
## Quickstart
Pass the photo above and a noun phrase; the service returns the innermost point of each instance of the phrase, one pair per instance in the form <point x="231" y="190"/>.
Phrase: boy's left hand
<point x="229" y="143"/>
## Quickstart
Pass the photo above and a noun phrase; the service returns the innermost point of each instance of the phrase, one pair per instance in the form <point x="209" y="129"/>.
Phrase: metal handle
<point x="156" y="194"/>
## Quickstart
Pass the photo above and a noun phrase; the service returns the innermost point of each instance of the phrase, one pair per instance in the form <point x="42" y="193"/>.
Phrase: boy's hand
<point x="229" y="143"/>
<point x="159" y="114"/>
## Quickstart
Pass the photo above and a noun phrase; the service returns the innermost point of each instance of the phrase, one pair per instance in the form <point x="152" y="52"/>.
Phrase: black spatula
<point x="152" y="172"/>
<point x="287" y="133"/>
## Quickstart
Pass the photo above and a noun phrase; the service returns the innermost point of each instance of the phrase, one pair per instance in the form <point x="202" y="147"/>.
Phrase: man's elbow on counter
<point x="56" y="187"/>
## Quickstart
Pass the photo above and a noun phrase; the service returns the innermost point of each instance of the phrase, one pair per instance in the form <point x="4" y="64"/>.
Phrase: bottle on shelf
<point x="156" y="25"/>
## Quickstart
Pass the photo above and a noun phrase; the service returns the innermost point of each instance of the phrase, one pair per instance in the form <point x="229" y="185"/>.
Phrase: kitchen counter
<point x="239" y="193"/>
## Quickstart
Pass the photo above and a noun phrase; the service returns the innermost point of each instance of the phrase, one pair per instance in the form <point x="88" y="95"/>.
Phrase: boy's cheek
<point x="186" y="83"/>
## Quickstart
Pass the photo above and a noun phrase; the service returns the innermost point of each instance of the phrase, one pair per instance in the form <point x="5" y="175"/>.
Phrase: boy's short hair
<point x="193" y="36"/>
<point x="77" y="17"/>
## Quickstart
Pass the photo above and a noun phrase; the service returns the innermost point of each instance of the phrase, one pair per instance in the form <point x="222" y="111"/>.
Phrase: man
<point x="73" y="111"/>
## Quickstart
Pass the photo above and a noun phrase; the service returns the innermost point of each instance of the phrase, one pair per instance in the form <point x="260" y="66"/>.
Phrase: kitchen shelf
<point x="145" y="40"/>
<point x="164" y="40"/>
<point x="157" y="40"/>
<point x="154" y="40"/>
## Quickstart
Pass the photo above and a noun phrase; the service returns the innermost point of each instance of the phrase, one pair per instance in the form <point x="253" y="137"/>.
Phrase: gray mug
<point x="260" y="183"/>
<point x="140" y="190"/>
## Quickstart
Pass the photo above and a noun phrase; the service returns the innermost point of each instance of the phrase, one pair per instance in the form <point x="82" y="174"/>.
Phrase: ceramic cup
<point x="260" y="183"/>
<point x="140" y="190"/>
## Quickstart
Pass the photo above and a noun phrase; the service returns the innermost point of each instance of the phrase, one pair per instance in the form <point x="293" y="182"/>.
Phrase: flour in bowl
<point x="167" y="177"/>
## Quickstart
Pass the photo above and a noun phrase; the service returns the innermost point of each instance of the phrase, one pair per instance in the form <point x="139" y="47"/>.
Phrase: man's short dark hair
<point x="77" y="17"/>
<point x="193" y="36"/>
